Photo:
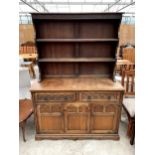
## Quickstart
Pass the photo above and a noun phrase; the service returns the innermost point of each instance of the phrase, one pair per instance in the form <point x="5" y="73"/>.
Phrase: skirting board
<point x="77" y="136"/>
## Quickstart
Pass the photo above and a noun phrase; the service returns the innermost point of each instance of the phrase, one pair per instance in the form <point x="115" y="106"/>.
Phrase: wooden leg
<point x="22" y="125"/>
<point x="132" y="133"/>
<point x="32" y="71"/>
<point x="129" y="127"/>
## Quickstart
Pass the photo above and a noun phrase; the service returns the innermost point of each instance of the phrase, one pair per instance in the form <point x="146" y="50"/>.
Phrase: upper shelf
<point x="77" y="60"/>
<point x="78" y="40"/>
<point x="77" y="16"/>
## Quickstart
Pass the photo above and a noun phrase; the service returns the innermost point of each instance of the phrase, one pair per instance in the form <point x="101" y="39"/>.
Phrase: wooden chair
<point x="128" y="82"/>
<point x="29" y="65"/>
<point x="129" y="54"/>
<point x="25" y="111"/>
<point x="28" y="51"/>
<point x="27" y="48"/>
<point x="126" y="67"/>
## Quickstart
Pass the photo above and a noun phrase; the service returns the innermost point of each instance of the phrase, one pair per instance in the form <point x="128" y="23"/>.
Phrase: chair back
<point x="129" y="54"/>
<point x="128" y="82"/>
<point x="27" y="48"/>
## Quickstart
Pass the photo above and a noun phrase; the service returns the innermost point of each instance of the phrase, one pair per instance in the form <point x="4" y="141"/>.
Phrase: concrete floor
<point x="70" y="147"/>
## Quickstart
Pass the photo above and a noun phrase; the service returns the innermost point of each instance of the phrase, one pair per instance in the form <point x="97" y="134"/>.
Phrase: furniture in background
<point x="29" y="65"/>
<point x="128" y="81"/>
<point x="121" y="47"/>
<point x="124" y="64"/>
<point x="29" y="57"/>
<point x="28" y="51"/>
<point x="27" y="48"/>
<point x="25" y="102"/>
<point x="129" y="54"/>
<point x="77" y="97"/>
<point x="25" y="111"/>
<point x="36" y="72"/>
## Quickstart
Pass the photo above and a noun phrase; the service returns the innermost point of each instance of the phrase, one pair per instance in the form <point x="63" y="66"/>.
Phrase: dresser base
<point x="77" y="136"/>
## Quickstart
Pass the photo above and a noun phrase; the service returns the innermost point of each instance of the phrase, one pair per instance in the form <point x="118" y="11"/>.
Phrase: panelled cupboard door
<point x="50" y="118"/>
<point x="104" y="117"/>
<point x="77" y="116"/>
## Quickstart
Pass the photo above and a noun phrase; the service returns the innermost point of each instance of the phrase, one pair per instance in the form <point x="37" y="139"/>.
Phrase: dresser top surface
<point x="76" y="84"/>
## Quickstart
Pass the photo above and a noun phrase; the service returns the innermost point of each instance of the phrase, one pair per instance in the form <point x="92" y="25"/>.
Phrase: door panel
<point x="103" y="117"/>
<point x="102" y="122"/>
<point x="77" y="117"/>
<point x="50" y="118"/>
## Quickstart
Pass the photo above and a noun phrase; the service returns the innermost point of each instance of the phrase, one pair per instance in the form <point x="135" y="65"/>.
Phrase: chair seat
<point x="129" y="104"/>
<point x="25" y="109"/>
<point x="119" y="79"/>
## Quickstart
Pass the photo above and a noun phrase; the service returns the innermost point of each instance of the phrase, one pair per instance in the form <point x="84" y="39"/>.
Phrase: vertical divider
<point x="77" y="47"/>
<point x="118" y="36"/>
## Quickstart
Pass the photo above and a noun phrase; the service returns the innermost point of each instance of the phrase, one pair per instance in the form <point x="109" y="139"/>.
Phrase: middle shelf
<point x="77" y="40"/>
<point x="77" y="60"/>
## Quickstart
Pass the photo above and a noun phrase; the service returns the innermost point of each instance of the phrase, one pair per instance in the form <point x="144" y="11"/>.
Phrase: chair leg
<point x="32" y="71"/>
<point x="132" y="133"/>
<point x="129" y="127"/>
<point x="22" y="125"/>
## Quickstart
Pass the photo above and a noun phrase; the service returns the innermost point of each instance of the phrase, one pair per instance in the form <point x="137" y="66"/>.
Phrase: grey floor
<point x="70" y="147"/>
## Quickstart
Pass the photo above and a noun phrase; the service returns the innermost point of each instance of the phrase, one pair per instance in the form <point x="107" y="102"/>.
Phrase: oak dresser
<point x="77" y="97"/>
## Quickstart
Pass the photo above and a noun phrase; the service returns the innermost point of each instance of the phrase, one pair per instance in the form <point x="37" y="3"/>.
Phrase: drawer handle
<point x="46" y="98"/>
<point x="89" y="97"/>
<point x="109" y="97"/>
<point x="65" y="98"/>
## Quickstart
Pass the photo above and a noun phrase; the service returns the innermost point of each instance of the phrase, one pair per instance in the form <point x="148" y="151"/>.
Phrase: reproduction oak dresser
<point x="77" y="97"/>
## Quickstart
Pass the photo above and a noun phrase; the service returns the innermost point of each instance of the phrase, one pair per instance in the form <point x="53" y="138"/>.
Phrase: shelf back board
<point x="76" y="44"/>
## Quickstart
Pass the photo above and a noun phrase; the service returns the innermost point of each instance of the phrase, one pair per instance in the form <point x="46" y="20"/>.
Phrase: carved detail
<point x="98" y="108"/>
<point x="77" y="107"/>
<point x="110" y="108"/>
<point x="55" y="97"/>
<point x="45" y="108"/>
<point x="95" y="96"/>
<point x="51" y="108"/>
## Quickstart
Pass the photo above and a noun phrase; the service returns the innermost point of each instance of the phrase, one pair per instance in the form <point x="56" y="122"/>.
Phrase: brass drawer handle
<point x="45" y="98"/>
<point x="109" y="97"/>
<point x="89" y="97"/>
<point x="65" y="98"/>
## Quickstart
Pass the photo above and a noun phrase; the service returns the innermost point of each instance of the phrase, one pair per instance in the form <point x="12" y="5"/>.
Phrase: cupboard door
<point x="104" y="117"/>
<point x="50" y="118"/>
<point x="77" y="116"/>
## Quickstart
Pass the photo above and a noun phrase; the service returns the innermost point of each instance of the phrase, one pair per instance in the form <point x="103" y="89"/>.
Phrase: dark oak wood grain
<point x="76" y="97"/>
<point x="76" y="36"/>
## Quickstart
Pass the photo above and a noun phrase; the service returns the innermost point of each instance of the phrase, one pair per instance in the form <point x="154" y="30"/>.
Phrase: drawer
<point x="99" y="96"/>
<point x="55" y="97"/>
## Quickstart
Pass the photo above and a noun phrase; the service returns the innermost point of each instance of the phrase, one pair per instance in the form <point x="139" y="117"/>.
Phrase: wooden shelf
<point x="78" y="75"/>
<point x="78" y="40"/>
<point x="77" y="60"/>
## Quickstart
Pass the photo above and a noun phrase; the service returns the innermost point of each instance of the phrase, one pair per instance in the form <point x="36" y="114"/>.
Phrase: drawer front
<point x="99" y="96"/>
<point x="55" y="97"/>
